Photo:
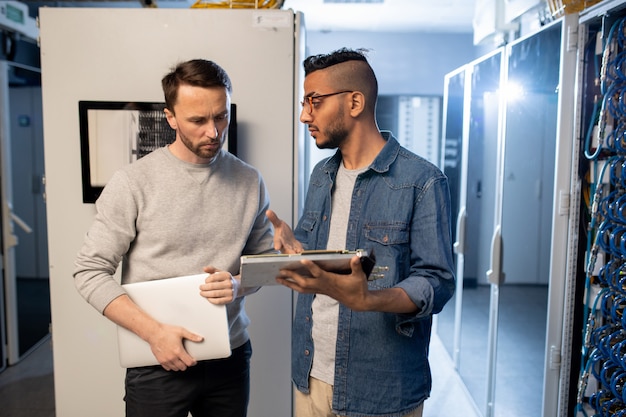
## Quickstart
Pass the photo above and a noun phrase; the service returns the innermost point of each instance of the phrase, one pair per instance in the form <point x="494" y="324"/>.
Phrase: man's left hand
<point x="349" y="289"/>
<point x="219" y="287"/>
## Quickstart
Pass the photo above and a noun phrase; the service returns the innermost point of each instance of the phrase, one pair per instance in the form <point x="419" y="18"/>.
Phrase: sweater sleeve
<point x="261" y="238"/>
<point x="105" y="244"/>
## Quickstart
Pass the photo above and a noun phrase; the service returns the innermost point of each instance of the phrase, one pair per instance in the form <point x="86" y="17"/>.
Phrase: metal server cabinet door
<point x="121" y="55"/>
<point x="535" y="182"/>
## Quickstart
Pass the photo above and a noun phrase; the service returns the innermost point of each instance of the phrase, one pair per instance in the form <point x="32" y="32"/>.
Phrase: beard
<point x="335" y="134"/>
<point x="198" y="149"/>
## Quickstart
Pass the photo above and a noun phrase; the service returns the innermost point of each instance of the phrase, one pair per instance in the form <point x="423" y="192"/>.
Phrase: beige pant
<point x="318" y="402"/>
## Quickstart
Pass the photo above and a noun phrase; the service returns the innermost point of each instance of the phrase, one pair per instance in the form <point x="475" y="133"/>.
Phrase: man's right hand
<point x="284" y="240"/>
<point x="167" y="346"/>
<point x="166" y="341"/>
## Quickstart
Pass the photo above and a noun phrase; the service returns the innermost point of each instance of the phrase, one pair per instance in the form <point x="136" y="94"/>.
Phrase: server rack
<point x="599" y="295"/>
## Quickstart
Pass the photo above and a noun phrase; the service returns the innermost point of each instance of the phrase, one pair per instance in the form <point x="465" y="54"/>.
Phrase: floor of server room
<point x="27" y="388"/>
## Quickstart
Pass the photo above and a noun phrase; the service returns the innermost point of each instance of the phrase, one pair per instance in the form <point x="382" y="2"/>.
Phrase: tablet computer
<point x="260" y="270"/>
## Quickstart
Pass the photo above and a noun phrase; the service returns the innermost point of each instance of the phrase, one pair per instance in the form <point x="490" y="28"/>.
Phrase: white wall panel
<point x="121" y="55"/>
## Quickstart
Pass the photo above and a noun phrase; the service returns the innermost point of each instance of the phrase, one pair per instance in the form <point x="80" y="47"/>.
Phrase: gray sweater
<point x="161" y="217"/>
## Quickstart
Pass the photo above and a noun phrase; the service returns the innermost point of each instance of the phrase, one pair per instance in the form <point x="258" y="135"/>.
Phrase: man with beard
<point x="360" y="346"/>
<point x="184" y="209"/>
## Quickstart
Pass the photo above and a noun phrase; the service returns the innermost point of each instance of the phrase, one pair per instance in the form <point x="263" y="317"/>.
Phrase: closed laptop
<point x="176" y="301"/>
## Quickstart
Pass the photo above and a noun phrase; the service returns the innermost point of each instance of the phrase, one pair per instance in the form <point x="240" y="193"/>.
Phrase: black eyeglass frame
<point x="309" y="99"/>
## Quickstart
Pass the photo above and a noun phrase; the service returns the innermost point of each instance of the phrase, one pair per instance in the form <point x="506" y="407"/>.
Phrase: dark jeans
<point x="215" y="388"/>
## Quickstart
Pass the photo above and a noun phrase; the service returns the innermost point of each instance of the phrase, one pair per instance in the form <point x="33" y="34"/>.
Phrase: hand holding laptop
<point x="177" y="303"/>
<point x="167" y="343"/>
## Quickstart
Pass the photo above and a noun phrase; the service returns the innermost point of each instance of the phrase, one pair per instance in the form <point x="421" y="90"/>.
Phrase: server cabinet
<point x="91" y="54"/>
<point x="596" y="278"/>
<point x="512" y="231"/>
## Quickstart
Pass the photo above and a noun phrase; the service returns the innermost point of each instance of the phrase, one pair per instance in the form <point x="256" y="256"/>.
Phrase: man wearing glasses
<point x="360" y="345"/>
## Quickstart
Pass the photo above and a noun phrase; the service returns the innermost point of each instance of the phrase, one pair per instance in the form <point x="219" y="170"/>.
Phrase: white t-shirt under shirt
<point x="326" y="309"/>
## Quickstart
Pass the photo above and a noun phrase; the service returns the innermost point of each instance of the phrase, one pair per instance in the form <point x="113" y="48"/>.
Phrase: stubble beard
<point x="198" y="150"/>
<point x="336" y="135"/>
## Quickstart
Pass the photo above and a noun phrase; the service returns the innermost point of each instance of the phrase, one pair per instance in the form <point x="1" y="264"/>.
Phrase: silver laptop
<point x="176" y="301"/>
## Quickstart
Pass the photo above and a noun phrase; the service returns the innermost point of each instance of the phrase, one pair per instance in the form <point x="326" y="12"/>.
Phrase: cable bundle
<point x="238" y="4"/>
<point x="602" y="379"/>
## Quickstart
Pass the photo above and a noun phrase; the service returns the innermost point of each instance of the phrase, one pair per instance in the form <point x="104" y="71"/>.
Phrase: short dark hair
<point x="197" y="73"/>
<point x="323" y="61"/>
<point x="350" y="71"/>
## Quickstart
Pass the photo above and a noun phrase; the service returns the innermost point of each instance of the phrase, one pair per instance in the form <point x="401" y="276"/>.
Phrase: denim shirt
<point x="400" y="211"/>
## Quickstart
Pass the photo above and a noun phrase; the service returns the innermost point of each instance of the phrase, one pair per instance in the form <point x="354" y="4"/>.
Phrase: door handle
<point x="21" y="223"/>
<point x="495" y="274"/>
<point x="11" y="238"/>
<point x="459" y="245"/>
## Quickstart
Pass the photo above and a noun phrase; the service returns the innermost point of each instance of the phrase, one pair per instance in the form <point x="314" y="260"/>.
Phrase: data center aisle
<point x="27" y="388"/>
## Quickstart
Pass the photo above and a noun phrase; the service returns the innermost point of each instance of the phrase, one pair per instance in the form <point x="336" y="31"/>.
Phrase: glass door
<point x="454" y="135"/>
<point x="481" y="174"/>
<point x="24" y="239"/>
<point x="472" y="126"/>
<point x="528" y="289"/>
<point x="509" y="173"/>
<point x="28" y="206"/>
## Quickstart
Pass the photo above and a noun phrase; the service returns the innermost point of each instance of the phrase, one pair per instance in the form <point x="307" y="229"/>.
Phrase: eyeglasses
<point x="310" y="100"/>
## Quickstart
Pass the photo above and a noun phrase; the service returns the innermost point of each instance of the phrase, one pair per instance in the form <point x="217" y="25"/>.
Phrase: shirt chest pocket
<point x="390" y="244"/>
<point x="387" y="233"/>
<point x="307" y="227"/>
